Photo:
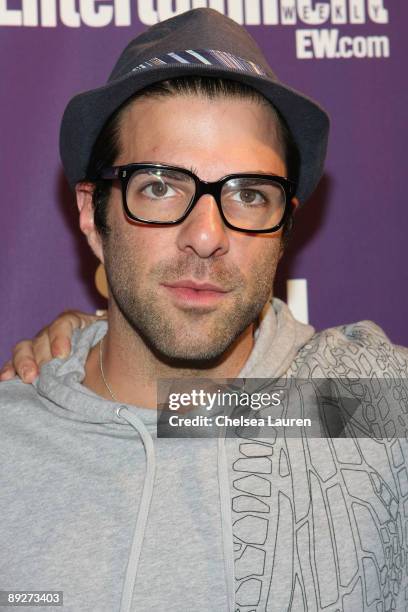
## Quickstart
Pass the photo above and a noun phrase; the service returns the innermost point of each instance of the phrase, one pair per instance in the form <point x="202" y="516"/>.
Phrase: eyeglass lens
<point x="164" y="195"/>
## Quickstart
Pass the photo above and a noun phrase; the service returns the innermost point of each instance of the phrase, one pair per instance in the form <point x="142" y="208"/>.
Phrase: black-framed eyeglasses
<point x="166" y="195"/>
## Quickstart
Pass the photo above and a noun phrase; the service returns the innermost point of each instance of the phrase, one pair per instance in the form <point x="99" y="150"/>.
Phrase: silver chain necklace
<point x="115" y="399"/>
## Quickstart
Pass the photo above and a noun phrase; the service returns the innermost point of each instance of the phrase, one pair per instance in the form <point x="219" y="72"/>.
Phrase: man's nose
<point x="204" y="231"/>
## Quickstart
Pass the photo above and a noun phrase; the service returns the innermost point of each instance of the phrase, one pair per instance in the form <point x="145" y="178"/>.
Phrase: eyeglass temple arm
<point x="110" y="173"/>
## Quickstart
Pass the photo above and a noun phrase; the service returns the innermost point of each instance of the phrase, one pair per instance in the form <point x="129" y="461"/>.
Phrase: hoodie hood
<point x="277" y="340"/>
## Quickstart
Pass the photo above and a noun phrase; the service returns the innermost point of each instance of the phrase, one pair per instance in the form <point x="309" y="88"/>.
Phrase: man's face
<point x="144" y="263"/>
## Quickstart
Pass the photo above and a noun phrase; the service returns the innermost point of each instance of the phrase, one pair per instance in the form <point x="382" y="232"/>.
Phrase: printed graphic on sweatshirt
<point x="322" y="525"/>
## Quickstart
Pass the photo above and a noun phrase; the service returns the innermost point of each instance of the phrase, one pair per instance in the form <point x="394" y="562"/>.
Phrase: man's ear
<point x="84" y="192"/>
<point x="295" y="203"/>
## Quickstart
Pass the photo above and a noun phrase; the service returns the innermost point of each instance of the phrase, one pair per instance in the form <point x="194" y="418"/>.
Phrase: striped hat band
<point x="208" y="57"/>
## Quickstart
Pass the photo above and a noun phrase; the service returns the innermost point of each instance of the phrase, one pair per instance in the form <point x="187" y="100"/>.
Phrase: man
<point x="187" y="166"/>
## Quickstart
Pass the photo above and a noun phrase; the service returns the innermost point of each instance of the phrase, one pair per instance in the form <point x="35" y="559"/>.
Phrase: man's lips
<point x="194" y="293"/>
<point x="190" y="284"/>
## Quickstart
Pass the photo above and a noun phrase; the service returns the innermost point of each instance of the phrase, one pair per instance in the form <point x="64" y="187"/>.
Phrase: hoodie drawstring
<point x="226" y="522"/>
<point x="147" y="494"/>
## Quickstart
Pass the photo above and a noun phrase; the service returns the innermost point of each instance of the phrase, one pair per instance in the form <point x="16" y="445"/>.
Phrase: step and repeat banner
<point x="348" y="257"/>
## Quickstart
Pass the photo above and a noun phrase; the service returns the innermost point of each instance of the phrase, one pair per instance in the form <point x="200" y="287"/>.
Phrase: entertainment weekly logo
<point x="310" y="42"/>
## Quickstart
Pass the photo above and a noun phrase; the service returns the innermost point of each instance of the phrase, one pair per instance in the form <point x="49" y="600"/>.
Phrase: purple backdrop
<point x="350" y="239"/>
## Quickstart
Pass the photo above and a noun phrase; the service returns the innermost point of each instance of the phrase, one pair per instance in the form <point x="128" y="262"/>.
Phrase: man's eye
<point x="248" y="196"/>
<point x="158" y="189"/>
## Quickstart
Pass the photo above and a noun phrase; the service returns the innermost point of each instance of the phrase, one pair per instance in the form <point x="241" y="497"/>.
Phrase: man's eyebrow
<point x="249" y="171"/>
<point x="194" y="170"/>
<point x="260" y="172"/>
<point x="179" y="166"/>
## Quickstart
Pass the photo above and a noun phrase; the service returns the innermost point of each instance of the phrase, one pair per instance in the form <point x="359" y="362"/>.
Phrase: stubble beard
<point x="189" y="337"/>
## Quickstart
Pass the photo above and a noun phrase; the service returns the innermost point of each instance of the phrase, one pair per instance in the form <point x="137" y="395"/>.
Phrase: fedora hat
<point x="200" y="42"/>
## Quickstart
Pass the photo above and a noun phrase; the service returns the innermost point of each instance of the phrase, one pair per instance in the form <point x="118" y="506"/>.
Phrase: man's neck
<point x="127" y="369"/>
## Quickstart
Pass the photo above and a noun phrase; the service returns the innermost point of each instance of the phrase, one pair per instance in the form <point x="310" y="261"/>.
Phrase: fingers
<point x="7" y="371"/>
<point x="61" y="330"/>
<point x="24" y="361"/>
<point x="41" y="348"/>
<point x="52" y="341"/>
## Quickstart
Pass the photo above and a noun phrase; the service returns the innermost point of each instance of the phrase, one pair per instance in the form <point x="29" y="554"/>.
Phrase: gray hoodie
<point x="92" y="503"/>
